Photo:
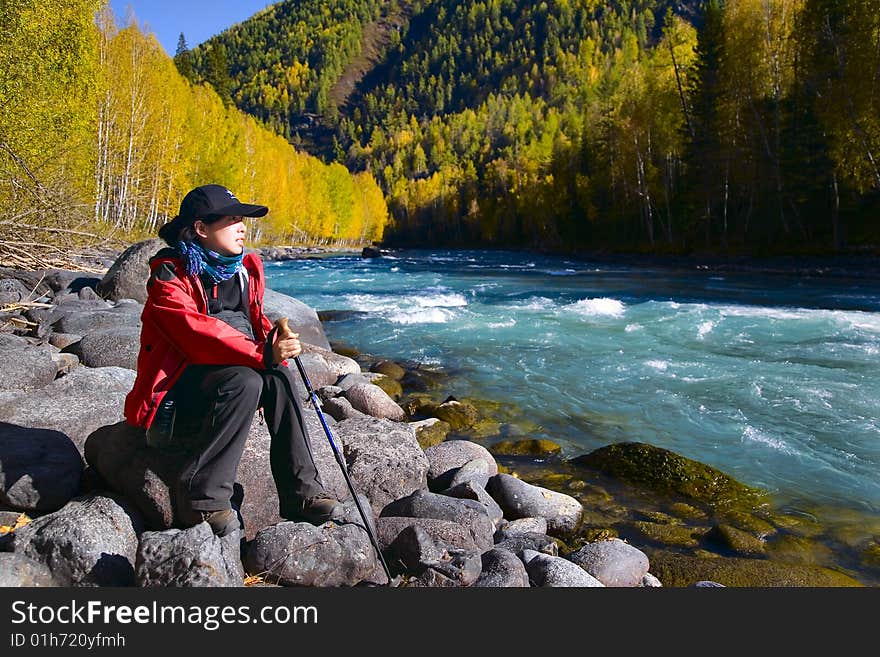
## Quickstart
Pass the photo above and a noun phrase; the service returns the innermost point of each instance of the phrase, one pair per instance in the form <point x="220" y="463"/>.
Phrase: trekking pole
<point x="281" y="323"/>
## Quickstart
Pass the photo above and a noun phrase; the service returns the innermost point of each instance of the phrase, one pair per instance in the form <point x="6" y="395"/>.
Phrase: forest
<point x="738" y="126"/>
<point x="101" y="137"/>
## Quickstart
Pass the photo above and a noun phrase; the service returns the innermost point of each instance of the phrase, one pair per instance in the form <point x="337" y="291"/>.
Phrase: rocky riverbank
<point x="85" y="502"/>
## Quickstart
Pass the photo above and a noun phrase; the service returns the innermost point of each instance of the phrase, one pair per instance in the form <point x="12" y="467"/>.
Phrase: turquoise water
<point x="770" y="378"/>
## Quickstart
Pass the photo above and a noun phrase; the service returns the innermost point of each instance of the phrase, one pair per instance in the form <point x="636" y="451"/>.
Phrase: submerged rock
<point x="661" y="470"/>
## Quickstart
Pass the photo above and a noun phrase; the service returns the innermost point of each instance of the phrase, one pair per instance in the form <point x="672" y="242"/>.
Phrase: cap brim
<point x="241" y="210"/>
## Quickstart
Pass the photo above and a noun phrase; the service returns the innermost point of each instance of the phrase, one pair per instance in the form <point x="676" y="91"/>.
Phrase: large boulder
<point x="25" y="366"/>
<point x="146" y="476"/>
<point x="300" y="554"/>
<point x="384" y="459"/>
<point x="91" y="541"/>
<point x="75" y="404"/>
<point x="519" y="499"/>
<point x="127" y="277"/>
<point x="40" y="469"/>
<point x="194" y="557"/>
<point x="302" y="319"/>
<point x="663" y="471"/>
<point x="415" y="552"/>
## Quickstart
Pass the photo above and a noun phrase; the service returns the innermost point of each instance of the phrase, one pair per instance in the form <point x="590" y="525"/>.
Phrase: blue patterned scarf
<point x="201" y="261"/>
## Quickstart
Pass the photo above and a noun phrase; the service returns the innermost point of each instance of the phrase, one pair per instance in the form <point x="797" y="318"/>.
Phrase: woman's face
<point x="225" y="236"/>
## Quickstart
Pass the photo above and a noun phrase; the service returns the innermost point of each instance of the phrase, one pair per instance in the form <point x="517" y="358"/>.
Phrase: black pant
<point x="216" y="405"/>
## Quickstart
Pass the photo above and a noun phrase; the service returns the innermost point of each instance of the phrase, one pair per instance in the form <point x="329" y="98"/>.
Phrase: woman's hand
<point x="285" y="345"/>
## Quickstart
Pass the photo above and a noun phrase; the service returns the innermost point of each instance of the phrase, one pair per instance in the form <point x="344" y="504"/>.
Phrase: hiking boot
<point x="222" y="523"/>
<point x="316" y="510"/>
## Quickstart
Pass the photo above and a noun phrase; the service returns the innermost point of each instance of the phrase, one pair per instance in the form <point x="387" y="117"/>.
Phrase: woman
<point x="209" y="358"/>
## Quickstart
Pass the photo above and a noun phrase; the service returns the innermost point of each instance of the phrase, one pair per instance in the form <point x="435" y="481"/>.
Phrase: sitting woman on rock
<point x="209" y="358"/>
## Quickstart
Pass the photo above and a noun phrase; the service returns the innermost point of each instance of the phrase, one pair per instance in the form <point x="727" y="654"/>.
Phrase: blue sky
<point x="199" y="20"/>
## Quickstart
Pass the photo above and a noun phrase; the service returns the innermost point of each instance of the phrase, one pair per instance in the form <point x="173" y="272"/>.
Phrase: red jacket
<point x="177" y="331"/>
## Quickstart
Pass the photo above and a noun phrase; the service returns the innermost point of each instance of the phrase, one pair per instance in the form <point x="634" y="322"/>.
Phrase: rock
<point x="459" y="415"/>
<point x="430" y="432"/>
<point x="614" y="563"/>
<point x="667" y="534"/>
<point x="372" y="400"/>
<point x="65" y="363"/>
<point x="384" y="459"/>
<point x="350" y="379"/>
<point x="706" y="584"/>
<point x="13" y="290"/>
<point x="373" y="252"/>
<point x="521" y="526"/>
<point x="25" y="366"/>
<point x="476" y="471"/>
<point x="193" y="557"/>
<point x="33" y="281"/>
<point x="300" y="554"/>
<point x="649" y="581"/>
<point x="339" y="408"/>
<point x="117" y="346"/>
<point x="20" y="571"/>
<point x="88" y="293"/>
<point x="676" y="570"/>
<point x="447" y="457"/>
<point x="303" y="319"/>
<point x="519" y="499"/>
<point x="423" y="504"/>
<point x="536" y="542"/>
<point x="544" y="570"/>
<point x="324" y="367"/>
<point x="736" y="540"/>
<point x="40" y="469"/>
<point x="414" y="551"/>
<point x="660" y="470"/>
<point x="127" y="277"/>
<point x="502" y="569"/>
<point x="446" y="532"/>
<point x="145" y="475"/>
<point x="75" y="404"/>
<point x="87" y="321"/>
<point x="471" y="490"/>
<point x="524" y="448"/>
<point x="389" y="369"/>
<point x="388" y="385"/>
<point x="91" y="541"/>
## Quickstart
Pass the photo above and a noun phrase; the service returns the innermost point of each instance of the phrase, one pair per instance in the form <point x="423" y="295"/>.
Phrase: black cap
<point x="208" y="203"/>
<point x="214" y="201"/>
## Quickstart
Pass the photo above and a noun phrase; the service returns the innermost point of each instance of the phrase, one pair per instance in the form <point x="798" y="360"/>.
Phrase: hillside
<point x="648" y="124"/>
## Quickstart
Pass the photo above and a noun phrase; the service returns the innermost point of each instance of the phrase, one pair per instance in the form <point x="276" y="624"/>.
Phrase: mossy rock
<point x="736" y="540"/>
<point x="389" y="368"/>
<point x="593" y="534"/>
<point x="391" y="387"/>
<point x="484" y="428"/>
<point x="687" y="511"/>
<point x="344" y="350"/>
<point x="460" y="415"/>
<point x="414" y="404"/>
<point x="422" y="380"/>
<point x="433" y="434"/>
<point x="797" y="549"/>
<point x="663" y="471"/>
<point x="749" y="522"/>
<point x="671" y="535"/>
<point x="528" y="447"/>
<point x="676" y="570"/>
<point x="870" y="556"/>
<point x="795" y="523"/>
<point x="577" y="485"/>
<point x="657" y="516"/>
